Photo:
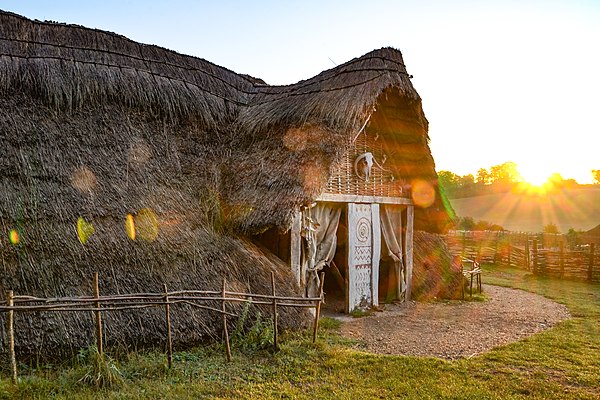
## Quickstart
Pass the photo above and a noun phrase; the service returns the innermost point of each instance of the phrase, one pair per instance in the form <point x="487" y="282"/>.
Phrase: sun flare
<point x="535" y="175"/>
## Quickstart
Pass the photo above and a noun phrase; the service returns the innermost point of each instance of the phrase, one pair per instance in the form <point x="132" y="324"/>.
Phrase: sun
<point x="535" y="175"/>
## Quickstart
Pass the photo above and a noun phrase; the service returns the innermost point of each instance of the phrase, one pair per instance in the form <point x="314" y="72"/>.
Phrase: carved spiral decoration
<point x="363" y="230"/>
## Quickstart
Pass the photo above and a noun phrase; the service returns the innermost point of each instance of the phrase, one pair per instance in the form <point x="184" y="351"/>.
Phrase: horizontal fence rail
<point x="542" y="254"/>
<point x="135" y="301"/>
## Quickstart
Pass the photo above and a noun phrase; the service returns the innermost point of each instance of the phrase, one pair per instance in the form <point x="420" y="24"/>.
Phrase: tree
<point x="596" y="176"/>
<point x="466" y="224"/>
<point x="573" y="238"/>
<point x="505" y="173"/>
<point x="551" y="228"/>
<point x="483" y="176"/>
<point x="556" y="179"/>
<point x="466" y="180"/>
<point x="483" y="225"/>
<point x="448" y="180"/>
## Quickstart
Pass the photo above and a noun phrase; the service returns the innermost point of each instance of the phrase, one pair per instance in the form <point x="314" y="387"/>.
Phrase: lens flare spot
<point x="84" y="230"/>
<point x="314" y="177"/>
<point x="423" y="193"/>
<point x="146" y="225"/>
<point x="295" y="139"/>
<point x="130" y="227"/>
<point x="83" y="180"/>
<point x="13" y="236"/>
<point x="139" y="153"/>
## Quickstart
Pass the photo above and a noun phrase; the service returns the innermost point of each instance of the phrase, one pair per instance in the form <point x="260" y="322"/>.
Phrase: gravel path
<point x="457" y="329"/>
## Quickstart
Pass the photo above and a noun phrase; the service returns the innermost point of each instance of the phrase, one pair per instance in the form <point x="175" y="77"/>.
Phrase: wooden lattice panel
<point x="381" y="182"/>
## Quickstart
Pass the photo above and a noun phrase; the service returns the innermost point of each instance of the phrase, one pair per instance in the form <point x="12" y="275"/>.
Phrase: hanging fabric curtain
<point x="319" y="227"/>
<point x="391" y="228"/>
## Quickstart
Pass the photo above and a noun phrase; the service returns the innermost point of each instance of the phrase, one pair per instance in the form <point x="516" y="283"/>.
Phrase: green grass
<point x="563" y="362"/>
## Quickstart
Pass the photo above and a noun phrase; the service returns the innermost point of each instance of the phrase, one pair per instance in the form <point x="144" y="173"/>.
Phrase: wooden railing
<point x="100" y="304"/>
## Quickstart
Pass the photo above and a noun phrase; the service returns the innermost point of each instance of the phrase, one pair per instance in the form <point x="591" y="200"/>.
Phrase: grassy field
<point x="563" y="362"/>
<point x="570" y="208"/>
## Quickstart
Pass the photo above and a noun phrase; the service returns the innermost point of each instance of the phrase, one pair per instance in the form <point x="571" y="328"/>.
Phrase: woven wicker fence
<point x="542" y="254"/>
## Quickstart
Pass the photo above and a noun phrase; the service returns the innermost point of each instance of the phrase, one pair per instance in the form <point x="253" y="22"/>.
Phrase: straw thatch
<point x="435" y="275"/>
<point x="96" y="126"/>
<point x="298" y="133"/>
<point x="102" y="165"/>
<point x="591" y="236"/>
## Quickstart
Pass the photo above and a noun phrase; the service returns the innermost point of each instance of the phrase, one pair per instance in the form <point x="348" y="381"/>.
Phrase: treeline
<point x="470" y="224"/>
<point x="500" y="178"/>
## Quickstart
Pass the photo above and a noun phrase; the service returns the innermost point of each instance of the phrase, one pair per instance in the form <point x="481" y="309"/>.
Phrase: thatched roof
<point x="94" y="125"/>
<point x="288" y="138"/>
<point x="591" y="236"/>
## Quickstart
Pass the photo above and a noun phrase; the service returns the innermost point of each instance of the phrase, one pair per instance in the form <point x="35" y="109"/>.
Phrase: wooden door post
<point x="410" y="221"/>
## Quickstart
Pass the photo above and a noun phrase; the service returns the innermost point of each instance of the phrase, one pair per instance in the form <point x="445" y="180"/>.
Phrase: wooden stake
<point x="169" y="338"/>
<point x="591" y="264"/>
<point x="98" y="316"/>
<point x="561" y="259"/>
<point x="11" y="337"/>
<point x="535" y="256"/>
<point x="471" y="287"/>
<point x="225" y="331"/>
<point x="509" y="251"/>
<point x="318" y="307"/>
<point x="275" y="333"/>
<point x="526" y="252"/>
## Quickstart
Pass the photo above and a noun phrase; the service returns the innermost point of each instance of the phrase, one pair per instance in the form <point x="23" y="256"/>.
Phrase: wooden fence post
<point x="496" y="245"/>
<point x="509" y="250"/>
<point x="11" y="337"/>
<point x="535" y="256"/>
<point x="98" y="316"/>
<point x="527" y="252"/>
<point x="591" y="264"/>
<point x="169" y="337"/>
<point x="561" y="259"/>
<point x="225" y="331"/>
<point x="318" y="307"/>
<point x="275" y="333"/>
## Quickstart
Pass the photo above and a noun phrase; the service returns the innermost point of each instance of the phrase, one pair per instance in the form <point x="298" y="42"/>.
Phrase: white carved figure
<point x="363" y="165"/>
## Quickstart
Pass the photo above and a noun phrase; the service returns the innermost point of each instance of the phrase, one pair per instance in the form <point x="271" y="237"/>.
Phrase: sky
<point x="500" y="80"/>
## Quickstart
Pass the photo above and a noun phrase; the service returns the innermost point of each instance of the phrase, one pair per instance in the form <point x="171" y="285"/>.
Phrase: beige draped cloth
<point x="319" y="227"/>
<point x="391" y="229"/>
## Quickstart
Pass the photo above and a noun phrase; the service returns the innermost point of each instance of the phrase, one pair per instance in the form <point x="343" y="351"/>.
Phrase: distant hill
<point x="569" y="208"/>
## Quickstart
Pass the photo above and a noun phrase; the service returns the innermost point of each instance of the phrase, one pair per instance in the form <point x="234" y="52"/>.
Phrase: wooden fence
<point x="100" y="304"/>
<point x="542" y="254"/>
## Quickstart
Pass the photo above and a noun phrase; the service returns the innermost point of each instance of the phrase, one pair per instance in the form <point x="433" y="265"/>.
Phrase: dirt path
<point x="457" y="329"/>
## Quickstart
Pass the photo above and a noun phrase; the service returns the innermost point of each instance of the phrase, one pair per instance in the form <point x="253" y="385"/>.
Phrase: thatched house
<point x="591" y="236"/>
<point x="155" y="167"/>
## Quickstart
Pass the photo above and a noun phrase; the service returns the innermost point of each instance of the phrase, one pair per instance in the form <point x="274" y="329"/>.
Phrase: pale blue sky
<point x="500" y="80"/>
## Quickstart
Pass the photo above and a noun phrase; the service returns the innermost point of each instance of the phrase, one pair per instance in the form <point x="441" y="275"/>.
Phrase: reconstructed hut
<point x="154" y="167"/>
<point x="591" y="236"/>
